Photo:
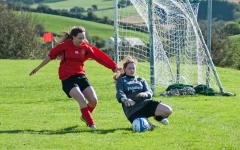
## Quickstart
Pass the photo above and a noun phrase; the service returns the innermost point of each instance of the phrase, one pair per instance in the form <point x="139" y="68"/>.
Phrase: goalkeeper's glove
<point x="142" y="94"/>
<point x="128" y="102"/>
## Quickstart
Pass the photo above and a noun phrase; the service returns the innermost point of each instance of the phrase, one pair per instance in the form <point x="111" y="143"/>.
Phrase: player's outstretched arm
<point x="44" y="62"/>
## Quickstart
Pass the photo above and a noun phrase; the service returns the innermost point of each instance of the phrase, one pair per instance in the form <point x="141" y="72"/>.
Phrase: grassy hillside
<point x="57" y="24"/>
<point x="104" y="13"/>
<point x="68" y="4"/>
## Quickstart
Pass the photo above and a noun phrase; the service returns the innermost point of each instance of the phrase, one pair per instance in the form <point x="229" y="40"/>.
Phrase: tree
<point x="91" y="16"/>
<point x="98" y="41"/>
<point x="106" y="20"/>
<point x="94" y="7"/>
<point x="224" y="52"/>
<point x="77" y="9"/>
<point x="232" y="28"/>
<point x="19" y="34"/>
<point x="42" y="8"/>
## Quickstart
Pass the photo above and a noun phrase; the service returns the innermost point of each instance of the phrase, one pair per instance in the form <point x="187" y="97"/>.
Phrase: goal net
<point x="179" y="54"/>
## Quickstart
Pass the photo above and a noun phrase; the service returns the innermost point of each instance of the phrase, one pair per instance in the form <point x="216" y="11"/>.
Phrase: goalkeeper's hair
<point x="127" y="60"/>
<point x="73" y="31"/>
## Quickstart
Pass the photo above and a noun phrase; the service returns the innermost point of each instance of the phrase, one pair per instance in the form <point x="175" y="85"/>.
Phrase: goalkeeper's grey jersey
<point x="129" y="87"/>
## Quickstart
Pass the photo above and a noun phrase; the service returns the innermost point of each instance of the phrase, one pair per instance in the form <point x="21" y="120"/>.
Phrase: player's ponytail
<point x="118" y="75"/>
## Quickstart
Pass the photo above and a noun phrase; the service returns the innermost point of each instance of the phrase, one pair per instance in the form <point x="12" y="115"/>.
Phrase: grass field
<point x="104" y="13"/>
<point x="58" y="24"/>
<point x="36" y="114"/>
<point x="101" y="4"/>
<point x="68" y="4"/>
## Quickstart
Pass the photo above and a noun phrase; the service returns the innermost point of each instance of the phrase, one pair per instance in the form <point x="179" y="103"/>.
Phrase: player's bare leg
<point x="91" y="96"/>
<point x="86" y="114"/>
<point x="162" y="112"/>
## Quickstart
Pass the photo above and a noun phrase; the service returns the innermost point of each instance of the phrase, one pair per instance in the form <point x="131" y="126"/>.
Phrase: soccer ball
<point x="140" y="125"/>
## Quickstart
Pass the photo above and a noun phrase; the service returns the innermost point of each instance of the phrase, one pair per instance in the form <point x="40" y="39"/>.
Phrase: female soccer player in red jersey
<point x="74" y="51"/>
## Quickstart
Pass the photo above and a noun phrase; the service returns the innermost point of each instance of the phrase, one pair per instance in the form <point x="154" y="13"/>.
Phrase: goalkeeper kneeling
<point x="135" y="96"/>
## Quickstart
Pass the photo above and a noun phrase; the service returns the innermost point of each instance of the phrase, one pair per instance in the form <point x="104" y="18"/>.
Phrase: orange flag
<point x="48" y="37"/>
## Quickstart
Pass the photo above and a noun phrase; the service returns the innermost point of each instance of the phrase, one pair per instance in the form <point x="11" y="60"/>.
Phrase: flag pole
<point x="52" y="40"/>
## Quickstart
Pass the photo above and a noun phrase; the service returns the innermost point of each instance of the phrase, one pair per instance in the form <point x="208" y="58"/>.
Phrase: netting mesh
<point x="179" y="54"/>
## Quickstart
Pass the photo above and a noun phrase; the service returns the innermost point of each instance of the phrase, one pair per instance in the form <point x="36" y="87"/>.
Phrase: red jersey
<point x="73" y="58"/>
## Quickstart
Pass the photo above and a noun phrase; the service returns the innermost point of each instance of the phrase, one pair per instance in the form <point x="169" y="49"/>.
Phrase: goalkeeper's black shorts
<point x="147" y="111"/>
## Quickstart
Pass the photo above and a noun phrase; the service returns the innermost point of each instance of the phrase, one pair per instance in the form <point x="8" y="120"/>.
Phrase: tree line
<point x="41" y="8"/>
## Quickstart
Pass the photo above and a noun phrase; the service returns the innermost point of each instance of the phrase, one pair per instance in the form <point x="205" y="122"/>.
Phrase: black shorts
<point x="79" y="80"/>
<point x="146" y="112"/>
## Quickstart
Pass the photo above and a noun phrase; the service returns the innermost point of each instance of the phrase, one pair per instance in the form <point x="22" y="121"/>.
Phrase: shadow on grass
<point x="67" y="130"/>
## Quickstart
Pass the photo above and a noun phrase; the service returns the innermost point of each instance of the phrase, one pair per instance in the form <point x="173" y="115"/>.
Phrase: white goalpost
<point x="165" y="38"/>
